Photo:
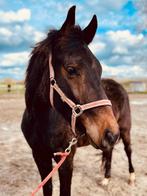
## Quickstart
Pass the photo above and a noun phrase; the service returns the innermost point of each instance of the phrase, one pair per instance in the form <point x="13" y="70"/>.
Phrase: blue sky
<point x="120" y="42"/>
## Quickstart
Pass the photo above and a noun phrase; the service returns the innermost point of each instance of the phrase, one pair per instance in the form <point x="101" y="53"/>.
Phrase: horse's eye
<point x="71" y="70"/>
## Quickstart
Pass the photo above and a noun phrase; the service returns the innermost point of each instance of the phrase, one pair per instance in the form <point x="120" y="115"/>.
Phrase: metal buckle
<point x="71" y="143"/>
<point x="52" y="81"/>
<point x="77" y="110"/>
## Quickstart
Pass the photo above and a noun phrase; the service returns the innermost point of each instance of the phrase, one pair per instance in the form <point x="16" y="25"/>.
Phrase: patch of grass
<point x="144" y="92"/>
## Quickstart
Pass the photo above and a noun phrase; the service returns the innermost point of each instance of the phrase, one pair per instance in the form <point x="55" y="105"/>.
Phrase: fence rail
<point x="131" y="87"/>
<point x="8" y="88"/>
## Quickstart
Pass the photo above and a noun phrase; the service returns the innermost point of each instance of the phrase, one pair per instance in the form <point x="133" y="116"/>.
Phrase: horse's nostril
<point x="110" y="137"/>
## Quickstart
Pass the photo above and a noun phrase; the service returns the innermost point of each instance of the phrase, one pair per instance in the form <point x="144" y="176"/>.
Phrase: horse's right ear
<point x="90" y="30"/>
<point x="70" y="19"/>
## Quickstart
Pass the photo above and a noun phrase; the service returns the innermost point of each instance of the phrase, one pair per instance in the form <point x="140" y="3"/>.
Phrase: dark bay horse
<point x="121" y="108"/>
<point x="77" y="72"/>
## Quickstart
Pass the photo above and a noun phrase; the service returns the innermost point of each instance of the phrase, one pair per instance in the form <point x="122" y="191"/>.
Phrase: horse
<point x="65" y="98"/>
<point x="121" y="109"/>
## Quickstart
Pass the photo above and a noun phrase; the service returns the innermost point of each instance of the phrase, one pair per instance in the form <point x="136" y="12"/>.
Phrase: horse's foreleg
<point x="106" y="162"/>
<point x="44" y="164"/>
<point x="65" y="176"/>
<point x="125" y="135"/>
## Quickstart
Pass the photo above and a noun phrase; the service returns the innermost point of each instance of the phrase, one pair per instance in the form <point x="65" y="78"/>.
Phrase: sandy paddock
<point x="19" y="175"/>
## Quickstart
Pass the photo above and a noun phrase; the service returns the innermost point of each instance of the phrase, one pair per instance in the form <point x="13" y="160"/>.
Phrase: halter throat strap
<point x="77" y="109"/>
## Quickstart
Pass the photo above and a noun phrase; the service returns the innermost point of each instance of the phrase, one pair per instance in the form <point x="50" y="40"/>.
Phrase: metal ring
<point x="71" y="143"/>
<point x="68" y="150"/>
<point x="74" y="141"/>
<point x="77" y="110"/>
<point x="52" y="81"/>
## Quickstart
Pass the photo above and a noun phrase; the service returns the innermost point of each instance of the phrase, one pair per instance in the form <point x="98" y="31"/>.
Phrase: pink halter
<point x="77" y="109"/>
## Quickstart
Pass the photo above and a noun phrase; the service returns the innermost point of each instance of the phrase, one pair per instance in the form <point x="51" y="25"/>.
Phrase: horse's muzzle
<point x="109" y="139"/>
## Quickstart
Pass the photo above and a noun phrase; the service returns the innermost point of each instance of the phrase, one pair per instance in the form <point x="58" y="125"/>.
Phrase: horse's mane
<point x="37" y="73"/>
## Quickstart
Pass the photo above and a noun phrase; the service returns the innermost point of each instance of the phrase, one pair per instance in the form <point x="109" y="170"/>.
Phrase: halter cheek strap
<point x="77" y="109"/>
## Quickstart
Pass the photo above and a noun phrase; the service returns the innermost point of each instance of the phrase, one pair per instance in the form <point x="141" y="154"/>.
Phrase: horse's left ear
<point x="90" y="30"/>
<point x="70" y="19"/>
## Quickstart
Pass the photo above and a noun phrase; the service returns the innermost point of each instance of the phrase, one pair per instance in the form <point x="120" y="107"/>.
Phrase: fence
<point x="11" y="88"/>
<point x="18" y="87"/>
<point x="135" y="86"/>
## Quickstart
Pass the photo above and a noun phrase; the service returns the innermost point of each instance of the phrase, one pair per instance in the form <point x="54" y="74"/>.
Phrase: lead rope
<point x="63" y="156"/>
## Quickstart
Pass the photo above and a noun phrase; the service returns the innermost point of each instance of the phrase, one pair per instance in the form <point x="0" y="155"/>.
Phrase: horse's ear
<point x="70" y="19"/>
<point x="90" y="30"/>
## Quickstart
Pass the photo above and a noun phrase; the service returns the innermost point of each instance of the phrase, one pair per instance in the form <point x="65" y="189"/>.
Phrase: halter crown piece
<point x="77" y="109"/>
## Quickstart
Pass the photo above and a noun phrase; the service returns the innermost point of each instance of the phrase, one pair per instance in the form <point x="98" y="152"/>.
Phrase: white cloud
<point x="120" y="50"/>
<point x="123" y="71"/>
<point x="107" y="4"/>
<point x="124" y="37"/>
<point x="5" y="32"/>
<point x="122" y="53"/>
<point x="20" y="34"/>
<point x="5" y="35"/>
<point x="97" y="47"/>
<point x="31" y="34"/>
<point x="142" y="14"/>
<point x="121" y="46"/>
<point x="121" y="42"/>
<point x="21" y="15"/>
<point x="11" y="59"/>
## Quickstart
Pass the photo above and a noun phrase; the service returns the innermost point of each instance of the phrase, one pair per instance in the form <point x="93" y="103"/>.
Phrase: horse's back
<point x="120" y="101"/>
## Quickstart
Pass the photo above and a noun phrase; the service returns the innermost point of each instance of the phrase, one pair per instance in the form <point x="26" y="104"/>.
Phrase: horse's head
<point x="78" y="74"/>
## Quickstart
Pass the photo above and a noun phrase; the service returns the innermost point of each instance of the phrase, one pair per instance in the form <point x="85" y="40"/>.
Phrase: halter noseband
<point x="77" y="109"/>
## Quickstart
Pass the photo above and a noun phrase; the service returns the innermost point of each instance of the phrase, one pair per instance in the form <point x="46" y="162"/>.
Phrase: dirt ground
<point x="19" y="175"/>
